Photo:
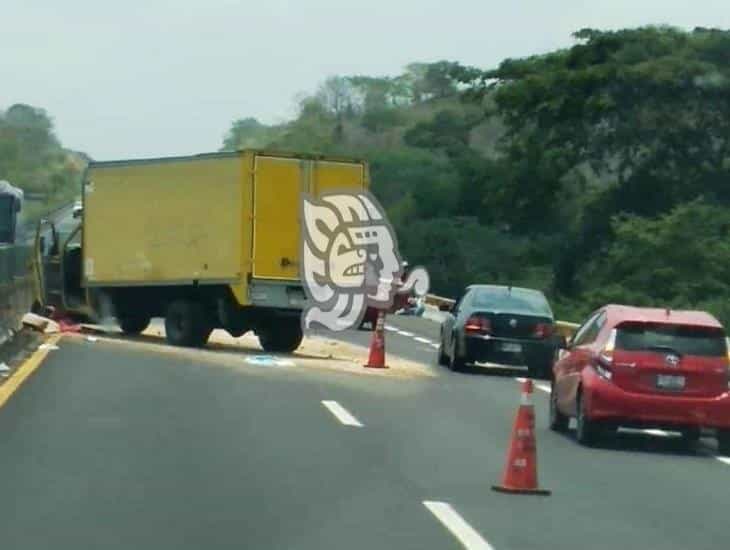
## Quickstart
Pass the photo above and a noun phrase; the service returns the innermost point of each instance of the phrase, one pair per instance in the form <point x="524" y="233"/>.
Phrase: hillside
<point x="32" y="158"/>
<point x="587" y="172"/>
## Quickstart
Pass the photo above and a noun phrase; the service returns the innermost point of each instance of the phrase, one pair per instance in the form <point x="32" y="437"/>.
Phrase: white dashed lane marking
<point x="342" y="414"/>
<point x="391" y="328"/>
<point x="404" y="333"/>
<point x="457" y="525"/>
<point x="422" y="340"/>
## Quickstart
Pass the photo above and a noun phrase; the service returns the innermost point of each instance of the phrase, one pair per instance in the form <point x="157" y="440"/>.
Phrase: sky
<point x="130" y="79"/>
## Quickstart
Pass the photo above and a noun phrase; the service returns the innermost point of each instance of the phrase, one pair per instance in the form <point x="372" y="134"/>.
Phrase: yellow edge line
<point x="25" y="370"/>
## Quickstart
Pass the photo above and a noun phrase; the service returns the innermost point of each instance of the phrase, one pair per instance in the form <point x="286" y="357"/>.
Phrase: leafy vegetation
<point x="599" y="173"/>
<point x="32" y="158"/>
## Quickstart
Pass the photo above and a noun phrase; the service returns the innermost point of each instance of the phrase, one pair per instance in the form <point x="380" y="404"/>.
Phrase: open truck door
<point x="57" y="268"/>
<point x="47" y="267"/>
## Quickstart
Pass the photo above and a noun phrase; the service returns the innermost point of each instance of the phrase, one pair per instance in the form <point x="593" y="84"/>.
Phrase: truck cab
<point x="57" y="264"/>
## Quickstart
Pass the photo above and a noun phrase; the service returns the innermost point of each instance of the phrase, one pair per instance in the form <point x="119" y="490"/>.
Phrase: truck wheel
<point x="132" y="323"/>
<point x="284" y="338"/>
<point x="186" y="324"/>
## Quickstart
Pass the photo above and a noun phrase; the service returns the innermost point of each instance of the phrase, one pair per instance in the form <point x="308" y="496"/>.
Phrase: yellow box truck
<point x="207" y="241"/>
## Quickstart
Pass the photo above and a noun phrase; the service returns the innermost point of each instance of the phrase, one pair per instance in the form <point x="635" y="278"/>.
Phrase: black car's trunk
<point x="514" y="325"/>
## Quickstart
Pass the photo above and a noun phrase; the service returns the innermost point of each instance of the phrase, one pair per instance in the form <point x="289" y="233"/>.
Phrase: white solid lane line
<point x="723" y="459"/>
<point x="404" y="333"/>
<point x="342" y="414"/>
<point x="450" y="518"/>
<point x="422" y="340"/>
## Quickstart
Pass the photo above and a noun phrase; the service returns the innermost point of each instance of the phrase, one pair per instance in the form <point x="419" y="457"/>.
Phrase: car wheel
<point x="723" y="442"/>
<point x="538" y="372"/>
<point x="456" y="363"/>
<point x="443" y="359"/>
<point x="558" y="421"/>
<point x="586" y="430"/>
<point x="690" y="436"/>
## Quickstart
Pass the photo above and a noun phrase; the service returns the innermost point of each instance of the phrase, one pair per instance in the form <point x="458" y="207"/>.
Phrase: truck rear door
<point x="277" y="189"/>
<point x="331" y="176"/>
<point x="278" y="185"/>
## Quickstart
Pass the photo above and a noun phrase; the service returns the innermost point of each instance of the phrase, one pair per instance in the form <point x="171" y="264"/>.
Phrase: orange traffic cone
<point x="377" y="344"/>
<point x="520" y="472"/>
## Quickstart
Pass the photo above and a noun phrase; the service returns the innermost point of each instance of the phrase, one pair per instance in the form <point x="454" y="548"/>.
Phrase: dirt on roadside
<point x="315" y="352"/>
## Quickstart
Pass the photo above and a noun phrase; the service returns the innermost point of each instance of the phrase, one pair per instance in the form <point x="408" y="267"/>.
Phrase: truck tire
<point x="186" y="324"/>
<point x="285" y="337"/>
<point x="132" y="323"/>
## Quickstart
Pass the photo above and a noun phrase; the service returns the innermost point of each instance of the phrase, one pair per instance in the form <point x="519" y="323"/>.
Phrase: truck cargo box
<point x="221" y="218"/>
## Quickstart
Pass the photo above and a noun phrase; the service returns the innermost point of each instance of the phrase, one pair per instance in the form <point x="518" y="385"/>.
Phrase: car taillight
<point x="603" y="372"/>
<point x="605" y="358"/>
<point x="543" y="330"/>
<point x="476" y="324"/>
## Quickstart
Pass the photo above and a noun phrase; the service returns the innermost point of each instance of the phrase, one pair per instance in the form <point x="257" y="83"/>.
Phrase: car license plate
<point x="511" y="348"/>
<point x="669" y="382"/>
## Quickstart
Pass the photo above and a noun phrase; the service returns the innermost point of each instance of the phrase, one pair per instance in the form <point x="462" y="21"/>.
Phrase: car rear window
<point x="682" y="339"/>
<point x="514" y="301"/>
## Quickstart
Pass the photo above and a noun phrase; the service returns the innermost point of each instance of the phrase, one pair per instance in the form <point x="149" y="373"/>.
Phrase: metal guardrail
<point x="564" y="328"/>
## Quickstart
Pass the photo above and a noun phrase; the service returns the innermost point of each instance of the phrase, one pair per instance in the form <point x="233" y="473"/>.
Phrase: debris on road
<point x="48" y="347"/>
<point x="268" y="361"/>
<point x="40" y="323"/>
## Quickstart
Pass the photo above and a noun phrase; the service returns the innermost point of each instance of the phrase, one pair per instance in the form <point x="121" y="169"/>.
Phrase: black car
<point x="499" y="324"/>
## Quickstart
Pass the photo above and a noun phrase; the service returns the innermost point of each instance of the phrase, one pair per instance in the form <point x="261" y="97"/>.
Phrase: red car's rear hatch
<point x="663" y="358"/>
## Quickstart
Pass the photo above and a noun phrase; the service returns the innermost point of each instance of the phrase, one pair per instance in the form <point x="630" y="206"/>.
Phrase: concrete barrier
<point x="16" y="288"/>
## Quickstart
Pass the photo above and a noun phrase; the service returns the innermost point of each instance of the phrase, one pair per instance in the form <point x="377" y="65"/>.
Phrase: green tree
<point x="249" y="133"/>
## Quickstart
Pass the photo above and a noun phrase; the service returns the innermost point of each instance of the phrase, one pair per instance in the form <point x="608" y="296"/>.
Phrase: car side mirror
<point x="445" y="307"/>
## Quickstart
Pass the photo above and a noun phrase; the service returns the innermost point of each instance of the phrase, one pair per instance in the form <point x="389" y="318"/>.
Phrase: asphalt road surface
<point x="113" y="446"/>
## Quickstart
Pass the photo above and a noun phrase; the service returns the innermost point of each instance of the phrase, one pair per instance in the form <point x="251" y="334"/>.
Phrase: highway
<point x="111" y="445"/>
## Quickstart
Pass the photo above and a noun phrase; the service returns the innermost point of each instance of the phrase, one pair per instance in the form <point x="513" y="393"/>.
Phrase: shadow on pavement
<point x="500" y="371"/>
<point x="641" y="442"/>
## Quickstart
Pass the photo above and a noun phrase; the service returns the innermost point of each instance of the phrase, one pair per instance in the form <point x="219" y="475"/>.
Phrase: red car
<point x="648" y="368"/>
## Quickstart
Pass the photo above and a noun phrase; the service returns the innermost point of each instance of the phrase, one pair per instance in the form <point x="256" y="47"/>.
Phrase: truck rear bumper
<point x="276" y="294"/>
